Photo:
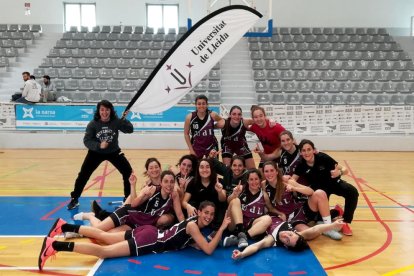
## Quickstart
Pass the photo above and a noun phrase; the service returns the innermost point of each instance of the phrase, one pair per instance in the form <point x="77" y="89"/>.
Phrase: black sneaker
<point x="74" y="203"/>
<point x="95" y="208"/>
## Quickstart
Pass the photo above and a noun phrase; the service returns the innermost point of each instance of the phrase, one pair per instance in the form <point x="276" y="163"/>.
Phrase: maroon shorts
<point x="142" y="240"/>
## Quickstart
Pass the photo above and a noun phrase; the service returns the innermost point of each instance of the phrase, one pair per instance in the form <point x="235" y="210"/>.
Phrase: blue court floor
<point x="28" y="216"/>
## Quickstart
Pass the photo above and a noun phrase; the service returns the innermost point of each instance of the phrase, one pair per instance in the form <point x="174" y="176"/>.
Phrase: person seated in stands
<point x="48" y="90"/>
<point x="31" y="90"/>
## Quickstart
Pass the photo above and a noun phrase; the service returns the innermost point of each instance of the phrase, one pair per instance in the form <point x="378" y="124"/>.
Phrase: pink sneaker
<point x="46" y="252"/>
<point x="346" y="230"/>
<point x="339" y="209"/>
<point x="56" y="228"/>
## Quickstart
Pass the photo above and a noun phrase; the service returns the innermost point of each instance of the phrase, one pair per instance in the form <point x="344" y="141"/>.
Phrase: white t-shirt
<point x="32" y="91"/>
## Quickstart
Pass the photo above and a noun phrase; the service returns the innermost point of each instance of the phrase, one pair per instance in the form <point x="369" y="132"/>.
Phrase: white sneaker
<point x="78" y="216"/>
<point x="242" y="241"/>
<point x="333" y="235"/>
<point x="231" y="240"/>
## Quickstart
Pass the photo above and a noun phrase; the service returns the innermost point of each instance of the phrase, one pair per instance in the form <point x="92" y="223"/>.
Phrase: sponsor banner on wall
<point x="71" y="117"/>
<point x="343" y="119"/>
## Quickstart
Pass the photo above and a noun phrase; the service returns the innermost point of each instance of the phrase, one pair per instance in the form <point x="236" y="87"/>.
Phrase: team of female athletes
<point x="271" y="206"/>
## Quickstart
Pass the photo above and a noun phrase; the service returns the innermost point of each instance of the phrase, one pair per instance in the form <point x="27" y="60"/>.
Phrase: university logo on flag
<point x="192" y="57"/>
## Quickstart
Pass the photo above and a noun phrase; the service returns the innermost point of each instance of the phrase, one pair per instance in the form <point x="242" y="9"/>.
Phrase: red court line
<point x="227" y="274"/>
<point x="385" y="220"/>
<point x="47" y="216"/>
<point x="134" y="261"/>
<point x="298" y="273"/>
<point x="393" y="200"/>
<point x="195" y="272"/>
<point x="377" y="217"/>
<point x="43" y="272"/>
<point x="263" y="274"/>
<point x="161" y="267"/>
<point x="97" y="179"/>
<point x="103" y="179"/>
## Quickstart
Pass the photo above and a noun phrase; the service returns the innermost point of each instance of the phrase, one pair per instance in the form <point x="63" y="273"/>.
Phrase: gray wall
<point x="312" y="13"/>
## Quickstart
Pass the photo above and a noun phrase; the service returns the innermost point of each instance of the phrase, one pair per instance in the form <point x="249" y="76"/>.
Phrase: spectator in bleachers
<point x="48" y="90"/>
<point x="31" y="90"/>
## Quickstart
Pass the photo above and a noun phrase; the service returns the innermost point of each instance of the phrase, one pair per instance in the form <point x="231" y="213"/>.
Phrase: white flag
<point x="192" y="57"/>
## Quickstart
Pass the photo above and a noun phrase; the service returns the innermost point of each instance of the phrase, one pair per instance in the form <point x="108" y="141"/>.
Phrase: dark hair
<point x="26" y="73"/>
<point x="213" y="175"/>
<point x="304" y="142"/>
<point x="167" y="172"/>
<point x="150" y="160"/>
<point x="201" y="97"/>
<point x="286" y="132"/>
<point x="226" y="129"/>
<point x="300" y="244"/>
<point x="256" y="107"/>
<point x="205" y="204"/>
<point x="238" y="157"/>
<point x="256" y="171"/>
<point x="106" y="104"/>
<point x="46" y="77"/>
<point x="32" y="77"/>
<point x="193" y="160"/>
<point x="280" y="187"/>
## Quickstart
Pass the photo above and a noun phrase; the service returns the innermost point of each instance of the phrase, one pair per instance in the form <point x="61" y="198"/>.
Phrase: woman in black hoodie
<point x="101" y="139"/>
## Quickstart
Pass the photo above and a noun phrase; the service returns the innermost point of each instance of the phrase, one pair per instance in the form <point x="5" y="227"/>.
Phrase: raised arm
<point x="218" y="119"/>
<point x="143" y="195"/>
<point x="191" y="210"/>
<point x="177" y="206"/>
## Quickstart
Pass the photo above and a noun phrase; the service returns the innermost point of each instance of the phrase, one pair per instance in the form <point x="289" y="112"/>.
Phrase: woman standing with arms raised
<point x="101" y="139"/>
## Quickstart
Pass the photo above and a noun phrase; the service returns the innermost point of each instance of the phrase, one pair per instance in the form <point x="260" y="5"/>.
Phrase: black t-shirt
<point x="319" y="175"/>
<point x="200" y="193"/>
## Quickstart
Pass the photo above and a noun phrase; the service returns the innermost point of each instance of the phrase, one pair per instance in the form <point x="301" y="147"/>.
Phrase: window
<point x="79" y="15"/>
<point x="162" y="16"/>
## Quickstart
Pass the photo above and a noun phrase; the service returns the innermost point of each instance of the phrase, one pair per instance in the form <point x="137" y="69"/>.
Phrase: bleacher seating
<point x="113" y="61"/>
<point x="347" y="65"/>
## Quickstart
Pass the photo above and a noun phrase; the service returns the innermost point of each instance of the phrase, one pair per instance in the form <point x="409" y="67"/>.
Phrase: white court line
<point x="95" y="267"/>
<point x="48" y="268"/>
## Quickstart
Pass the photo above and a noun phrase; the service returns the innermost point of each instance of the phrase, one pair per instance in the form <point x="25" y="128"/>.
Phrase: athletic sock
<point x="70" y="228"/>
<point x="239" y="228"/>
<point x="63" y="246"/>
<point x="327" y="220"/>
